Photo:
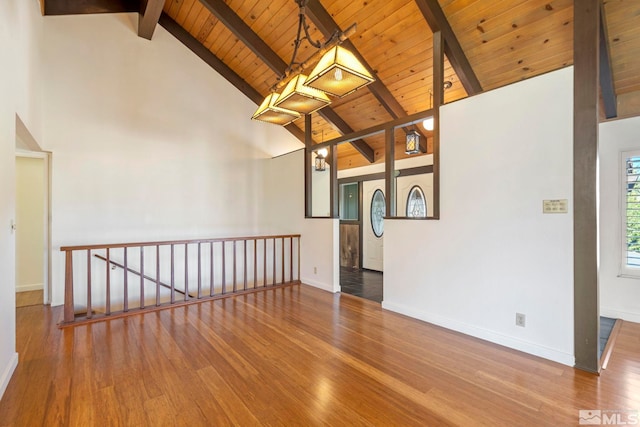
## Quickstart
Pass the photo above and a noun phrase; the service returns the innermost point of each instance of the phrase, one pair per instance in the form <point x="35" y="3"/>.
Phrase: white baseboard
<point x="485" y="334"/>
<point x="26" y="288"/>
<point x="617" y="314"/>
<point x="7" y="373"/>
<point x="319" y="285"/>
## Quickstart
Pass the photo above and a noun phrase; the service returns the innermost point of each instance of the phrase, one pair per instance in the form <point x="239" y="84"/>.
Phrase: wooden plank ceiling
<point x="503" y="42"/>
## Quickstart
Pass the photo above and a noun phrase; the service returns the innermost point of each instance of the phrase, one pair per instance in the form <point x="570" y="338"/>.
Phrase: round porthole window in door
<point x="378" y="211"/>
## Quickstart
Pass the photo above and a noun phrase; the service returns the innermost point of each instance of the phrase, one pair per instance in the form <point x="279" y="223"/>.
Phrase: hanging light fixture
<point x="270" y="113"/>
<point x="303" y="99"/>
<point x="338" y="73"/>
<point x="321" y="159"/>
<point x="412" y="143"/>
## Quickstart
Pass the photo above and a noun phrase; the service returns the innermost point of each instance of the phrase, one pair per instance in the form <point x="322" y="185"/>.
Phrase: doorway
<point x="32" y="229"/>
<point x="361" y="238"/>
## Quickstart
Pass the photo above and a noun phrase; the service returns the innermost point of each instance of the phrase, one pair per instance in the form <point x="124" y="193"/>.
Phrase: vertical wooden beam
<point x="334" y="206"/>
<point x="308" y="143"/>
<point x="438" y="100"/>
<point x="390" y="172"/>
<point x="585" y="151"/>
<point x="150" y="11"/>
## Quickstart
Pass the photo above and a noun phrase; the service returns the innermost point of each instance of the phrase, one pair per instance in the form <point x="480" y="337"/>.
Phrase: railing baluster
<point x="298" y="240"/>
<point x="157" y="275"/>
<point x="186" y="271"/>
<point x="89" y="284"/>
<point x="173" y="281"/>
<point x="122" y="299"/>
<point x="245" y="266"/>
<point x="235" y="267"/>
<point x="211" y="281"/>
<point x="224" y="270"/>
<point x="199" y="272"/>
<point x="69" y="315"/>
<point x="108" y="308"/>
<point x="141" y="276"/>
<point x="126" y="281"/>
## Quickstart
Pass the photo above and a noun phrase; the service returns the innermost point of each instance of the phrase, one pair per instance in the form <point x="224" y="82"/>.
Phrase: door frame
<point x="46" y="264"/>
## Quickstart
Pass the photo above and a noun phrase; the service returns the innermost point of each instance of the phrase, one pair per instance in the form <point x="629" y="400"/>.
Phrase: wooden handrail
<point x="173" y="242"/>
<point x="137" y="273"/>
<point x="122" y="299"/>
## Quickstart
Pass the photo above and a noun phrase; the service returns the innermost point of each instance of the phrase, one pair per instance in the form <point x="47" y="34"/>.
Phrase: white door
<point x="372" y="227"/>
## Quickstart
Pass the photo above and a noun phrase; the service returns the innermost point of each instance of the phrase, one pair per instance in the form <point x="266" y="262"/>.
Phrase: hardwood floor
<point x="294" y="356"/>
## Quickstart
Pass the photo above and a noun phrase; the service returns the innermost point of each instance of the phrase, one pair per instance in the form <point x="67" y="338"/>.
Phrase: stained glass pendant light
<point x="339" y="73"/>
<point x="303" y="99"/>
<point x="270" y="113"/>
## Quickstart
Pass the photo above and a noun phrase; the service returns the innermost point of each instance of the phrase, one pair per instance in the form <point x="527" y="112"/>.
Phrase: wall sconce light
<point x="321" y="159"/>
<point x="412" y="145"/>
<point x="428" y="122"/>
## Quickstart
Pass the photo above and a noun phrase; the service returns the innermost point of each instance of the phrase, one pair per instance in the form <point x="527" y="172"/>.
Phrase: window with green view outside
<point x="632" y="211"/>
<point x="349" y="201"/>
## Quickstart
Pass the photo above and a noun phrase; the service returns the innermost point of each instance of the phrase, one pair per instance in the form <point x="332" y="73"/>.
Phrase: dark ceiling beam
<point x="327" y="26"/>
<point x="606" y="75"/>
<point x="78" y="7"/>
<point x="240" y="29"/>
<point x="214" y="62"/>
<point x="436" y="19"/>
<point x="150" y="11"/>
<point x="342" y="127"/>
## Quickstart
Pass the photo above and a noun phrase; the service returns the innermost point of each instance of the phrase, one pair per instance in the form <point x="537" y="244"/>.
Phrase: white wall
<point x="30" y="217"/>
<point x="494" y="252"/>
<point x="19" y="94"/>
<point x="148" y="141"/>
<point x="284" y="195"/>
<point x="619" y="296"/>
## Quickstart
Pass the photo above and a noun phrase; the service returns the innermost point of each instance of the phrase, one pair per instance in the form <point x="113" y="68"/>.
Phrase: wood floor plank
<point x="294" y="356"/>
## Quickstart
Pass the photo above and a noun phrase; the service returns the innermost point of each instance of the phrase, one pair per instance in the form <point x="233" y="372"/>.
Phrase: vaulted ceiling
<point x="489" y="44"/>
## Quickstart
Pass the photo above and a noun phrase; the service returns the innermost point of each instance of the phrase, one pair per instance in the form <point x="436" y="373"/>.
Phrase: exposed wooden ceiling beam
<point x="77" y="7"/>
<point x="214" y="62"/>
<point x="150" y="11"/>
<point x="341" y="126"/>
<point x="327" y="26"/>
<point x="436" y="19"/>
<point x="240" y="29"/>
<point x="606" y="75"/>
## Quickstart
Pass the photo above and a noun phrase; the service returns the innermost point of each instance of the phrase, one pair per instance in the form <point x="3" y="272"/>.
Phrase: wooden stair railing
<point x="212" y="269"/>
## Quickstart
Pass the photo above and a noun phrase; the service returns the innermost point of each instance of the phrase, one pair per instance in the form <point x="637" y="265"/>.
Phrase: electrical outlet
<point x="520" y="319"/>
<point x="315" y="270"/>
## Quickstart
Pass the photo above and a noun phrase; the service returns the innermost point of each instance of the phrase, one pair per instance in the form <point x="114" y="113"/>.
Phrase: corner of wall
<point x="7" y="373"/>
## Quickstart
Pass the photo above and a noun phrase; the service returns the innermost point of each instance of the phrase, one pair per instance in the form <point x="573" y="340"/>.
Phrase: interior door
<point x="372" y="232"/>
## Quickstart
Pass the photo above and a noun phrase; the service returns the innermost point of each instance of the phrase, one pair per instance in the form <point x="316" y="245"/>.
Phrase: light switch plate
<point x="555" y="206"/>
